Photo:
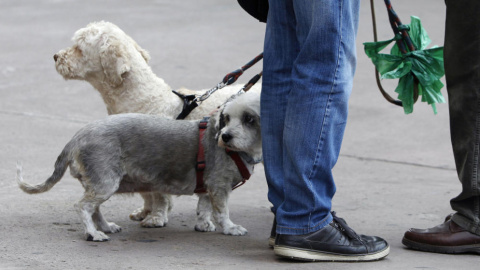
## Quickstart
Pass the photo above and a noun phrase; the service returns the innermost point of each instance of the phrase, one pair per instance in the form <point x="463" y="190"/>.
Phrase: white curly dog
<point x="114" y="64"/>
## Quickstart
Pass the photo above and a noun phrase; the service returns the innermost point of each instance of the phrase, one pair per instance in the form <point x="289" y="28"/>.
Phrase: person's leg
<point x="305" y="120"/>
<point x="316" y="111"/>
<point x="313" y="96"/>
<point x="462" y="69"/>
<point x="461" y="232"/>
<point x="279" y="54"/>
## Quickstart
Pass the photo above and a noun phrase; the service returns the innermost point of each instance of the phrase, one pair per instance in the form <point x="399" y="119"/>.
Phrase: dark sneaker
<point x="444" y="238"/>
<point x="273" y="234"/>
<point x="335" y="242"/>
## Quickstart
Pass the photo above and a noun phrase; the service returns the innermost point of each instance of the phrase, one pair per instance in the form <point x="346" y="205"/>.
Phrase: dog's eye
<point x="226" y="118"/>
<point x="248" y="119"/>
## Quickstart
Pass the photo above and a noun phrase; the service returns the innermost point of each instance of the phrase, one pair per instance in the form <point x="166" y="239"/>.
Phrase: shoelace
<point x="342" y="225"/>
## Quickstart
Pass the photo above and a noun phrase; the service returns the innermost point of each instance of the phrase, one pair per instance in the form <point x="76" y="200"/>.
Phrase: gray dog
<point x="142" y="153"/>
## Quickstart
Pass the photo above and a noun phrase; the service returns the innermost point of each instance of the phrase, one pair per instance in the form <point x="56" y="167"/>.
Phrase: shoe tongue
<point x="348" y="231"/>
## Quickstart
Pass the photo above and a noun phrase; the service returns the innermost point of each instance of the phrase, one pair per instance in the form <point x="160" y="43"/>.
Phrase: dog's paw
<point x="235" y="230"/>
<point x="113" y="228"/>
<point x="139" y="214"/>
<point x="97" y="236"/>
<point x="205" y="226"/>
<point x="154" y="221"/>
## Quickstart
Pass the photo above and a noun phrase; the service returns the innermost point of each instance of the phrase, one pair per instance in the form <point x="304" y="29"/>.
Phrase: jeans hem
<point x="299" y="231"/>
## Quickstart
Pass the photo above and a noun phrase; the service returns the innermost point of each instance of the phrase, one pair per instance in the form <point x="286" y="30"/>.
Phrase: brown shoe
<point x="444" y="238"/>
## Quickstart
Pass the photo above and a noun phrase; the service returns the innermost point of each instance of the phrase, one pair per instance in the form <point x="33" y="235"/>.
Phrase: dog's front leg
<point x="142" y="212"/>
<point x="204" y="214"/>
<point x="158" y="217"/>
<point x="219" y="199"/>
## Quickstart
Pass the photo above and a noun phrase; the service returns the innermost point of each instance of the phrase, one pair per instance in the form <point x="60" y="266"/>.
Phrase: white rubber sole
<point x="312" y="256"/>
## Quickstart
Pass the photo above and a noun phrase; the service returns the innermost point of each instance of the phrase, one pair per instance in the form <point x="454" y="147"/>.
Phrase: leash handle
<point x="401" y="31"/>
<point x="398" y="29"/>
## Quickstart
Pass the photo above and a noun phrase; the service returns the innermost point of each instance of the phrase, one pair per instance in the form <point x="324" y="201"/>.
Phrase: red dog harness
<point x="200" y="166"/>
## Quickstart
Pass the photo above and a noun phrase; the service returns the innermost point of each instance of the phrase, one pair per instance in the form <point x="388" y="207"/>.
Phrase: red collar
<point x="200" y="166"/>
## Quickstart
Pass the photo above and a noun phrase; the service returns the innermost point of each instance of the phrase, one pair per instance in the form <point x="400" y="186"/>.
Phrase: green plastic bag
<point x="425" y="64"/>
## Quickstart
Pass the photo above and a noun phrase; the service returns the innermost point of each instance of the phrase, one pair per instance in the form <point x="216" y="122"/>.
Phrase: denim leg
<point x="309" y="63"/>
<point x="462" y="70"/>
<point x="279" y="54"/>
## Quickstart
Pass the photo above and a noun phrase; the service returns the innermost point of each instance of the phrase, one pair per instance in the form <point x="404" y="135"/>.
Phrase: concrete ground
<point x="395" y="171"/>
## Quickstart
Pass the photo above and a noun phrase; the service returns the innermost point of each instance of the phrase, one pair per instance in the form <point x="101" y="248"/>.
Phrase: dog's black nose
<point x="226" y="137"/>
<point x="55" y="57"/>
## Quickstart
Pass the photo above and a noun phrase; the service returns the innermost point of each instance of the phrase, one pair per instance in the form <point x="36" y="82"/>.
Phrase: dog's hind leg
<point x="104" y="225"/>
<point x="219" y="199"/>
<point x="158" y="217"/>
<point x="88" y="209"/>
<point x="204" y="214"/>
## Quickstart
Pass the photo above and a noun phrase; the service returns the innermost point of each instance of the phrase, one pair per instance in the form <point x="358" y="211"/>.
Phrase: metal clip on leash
<point x="231" y="77"/>
<point x="191" y="103"/>
<point x="245" y="88"/>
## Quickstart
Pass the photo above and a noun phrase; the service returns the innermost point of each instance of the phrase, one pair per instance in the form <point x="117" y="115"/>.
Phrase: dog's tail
<point x="60" y="168"/>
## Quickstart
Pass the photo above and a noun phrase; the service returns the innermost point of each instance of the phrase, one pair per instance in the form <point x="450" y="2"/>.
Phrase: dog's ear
<point x="113" y="57"/>
<point x="219" y="123"/>
<point x="143" y="52"/>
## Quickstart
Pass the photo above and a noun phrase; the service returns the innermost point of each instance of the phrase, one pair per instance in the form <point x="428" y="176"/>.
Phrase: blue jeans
<point x="309" y="64"/>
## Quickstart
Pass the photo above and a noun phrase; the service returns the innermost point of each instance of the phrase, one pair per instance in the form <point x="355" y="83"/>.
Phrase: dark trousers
<point x="462" y="71"/>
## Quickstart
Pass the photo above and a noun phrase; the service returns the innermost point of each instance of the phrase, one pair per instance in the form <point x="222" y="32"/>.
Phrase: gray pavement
<point x="394" y="172"/>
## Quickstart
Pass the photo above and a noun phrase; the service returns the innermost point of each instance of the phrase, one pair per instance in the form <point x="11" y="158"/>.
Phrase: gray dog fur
<point x="141" y="153"/>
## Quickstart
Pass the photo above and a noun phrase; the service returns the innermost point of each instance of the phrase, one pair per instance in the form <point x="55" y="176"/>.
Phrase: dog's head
<point x="238" y="125"/>
<point x="101" y="51"/>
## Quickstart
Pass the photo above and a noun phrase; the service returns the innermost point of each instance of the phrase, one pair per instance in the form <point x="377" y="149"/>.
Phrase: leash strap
<point x="252" y="82"/>
<point x="231" y="77"/>
<point x="245" y="88"/>
<point x="234" y="75"/>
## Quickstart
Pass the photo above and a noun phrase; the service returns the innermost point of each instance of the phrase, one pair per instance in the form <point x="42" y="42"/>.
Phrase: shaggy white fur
<point x="114" y="64"/>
